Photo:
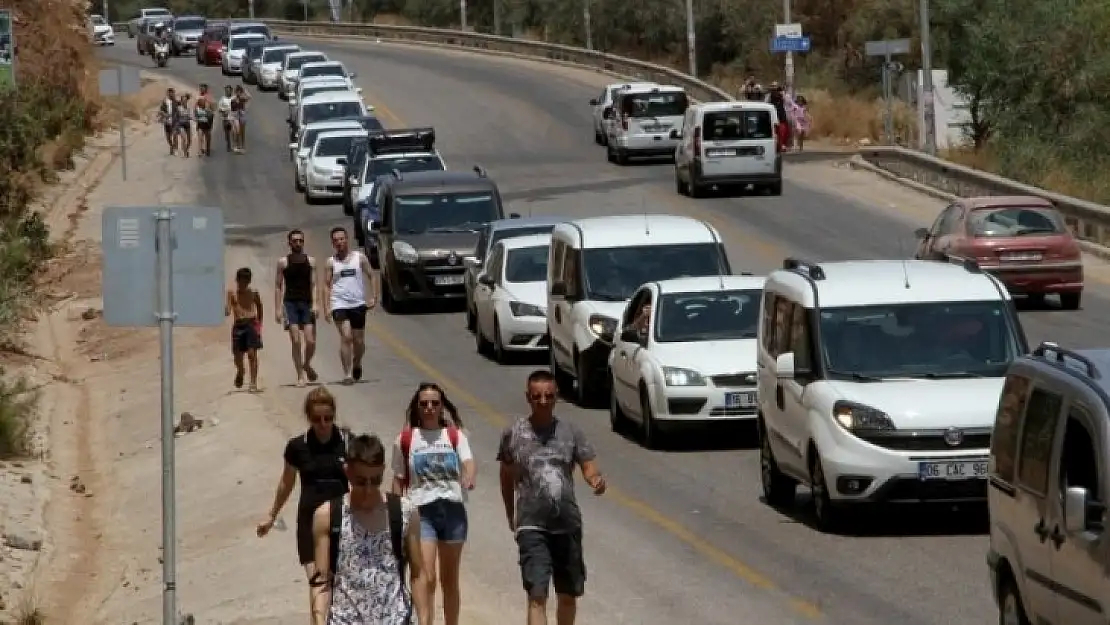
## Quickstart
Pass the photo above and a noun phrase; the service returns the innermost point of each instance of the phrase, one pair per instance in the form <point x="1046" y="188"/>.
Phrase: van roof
<point x="528" y="240"/>
<point x="331" y="96"/>
<point x="710" y="283"/>
<point x="638" y="90"/>
<point x="637" y="230"/>
<point x="736" y="105"/>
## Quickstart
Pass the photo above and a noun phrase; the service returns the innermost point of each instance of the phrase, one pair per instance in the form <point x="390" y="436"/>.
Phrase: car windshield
<point x="157" y="13"/>
<point x="324" y="111"/>
<point x="324" y="70"/>
<point x="385" y="166"/>
<point x="254" y="51"/>
<point x="1015" y="221"/>
<point x="297" y="61"/>
<point x="614" y="273"/>
<point x="260" y="29"/>
<point x="447" y="212"/>
<point x="98" y="20"/>
<point x="709" y="316"/>
<point x="309" y="138"/>
<point x="189" y="24"/>
<point x="737" y="125"/>
<point x="275" y="56"/>
<point x="526" y="264"/>
<point x="505" y="233"/>
<point x="334" y="146"/>
<point x="240" y="43"/>
<point x="371" y="123"/>
<point x="307" y="91"/>
<point x="655" y="104"/>
<point x="921" y="340"/>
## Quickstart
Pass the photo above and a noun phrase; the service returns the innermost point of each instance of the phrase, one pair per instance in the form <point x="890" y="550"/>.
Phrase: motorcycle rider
<point x="160" y="36"/>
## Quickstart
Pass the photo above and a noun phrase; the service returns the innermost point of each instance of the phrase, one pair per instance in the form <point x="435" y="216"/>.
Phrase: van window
<point x="1078" y="460"/>
<point x="327" y="111"/>
<point x="661" y="104"/>
<point x="555" y="265"/>
<point x="737" y="125"/>
<point x="1004" y="440"/>
<point x="1041" y="419"/>
<point x="800" y="340"/>
<point x="768" y="323"/>
<point x="614" y="273"/>
<point x="784" y="322"/>
<point x="572" y="261"/>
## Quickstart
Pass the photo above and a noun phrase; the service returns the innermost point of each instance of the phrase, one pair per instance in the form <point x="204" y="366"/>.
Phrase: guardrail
<point x="1089" y="221"/>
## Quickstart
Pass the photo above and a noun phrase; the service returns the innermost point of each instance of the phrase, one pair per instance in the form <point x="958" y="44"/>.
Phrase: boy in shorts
<point x="244" y="306"/>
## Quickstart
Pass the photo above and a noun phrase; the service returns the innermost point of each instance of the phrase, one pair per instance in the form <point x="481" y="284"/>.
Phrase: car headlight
<point x="405" y="253"/>
<point x="859" y="418"/>
<point x="677" y="376"/>
<point x="521" y="309"/>
<point x="603" y="327"/>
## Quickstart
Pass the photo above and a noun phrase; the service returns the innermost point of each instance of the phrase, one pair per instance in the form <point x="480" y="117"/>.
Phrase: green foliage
<point x="17" y="406"/>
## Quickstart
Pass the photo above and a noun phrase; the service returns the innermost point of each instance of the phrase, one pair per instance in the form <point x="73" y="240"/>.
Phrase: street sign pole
<point x="122" y="124"/>
<point x="691" y="39"/>
<point x="163" y="244"/>
<point x="888" y="48"/>
<point x="929" y="114"/>
<point x="789" y="65"/>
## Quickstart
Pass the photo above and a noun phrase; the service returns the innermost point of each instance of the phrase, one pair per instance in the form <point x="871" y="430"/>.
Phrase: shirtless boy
<point x="245" y="306"/>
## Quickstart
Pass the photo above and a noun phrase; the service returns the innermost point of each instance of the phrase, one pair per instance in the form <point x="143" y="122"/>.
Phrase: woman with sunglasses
<point x="433" y="465"/>
<point x="317" y="457"/>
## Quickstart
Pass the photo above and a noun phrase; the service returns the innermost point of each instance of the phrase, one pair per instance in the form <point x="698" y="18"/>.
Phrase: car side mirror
<point x="487" y="280"/>
<point x="341" y="161"/>
<point x="352" y="75"/>
<point x="373" y="225"/>
<point x="594" y="102"/>
<point x="358" y="90"/>
<point x="784" y="366"/>
<point x="1081" y="513"/>
<point x="921" y="233"/>
<point x="292" y="102"/>
<point x="607" y="114"/>
<point x="292" y="146"/>
<point x="559" y="289"/>
<point x="675" y="134"/>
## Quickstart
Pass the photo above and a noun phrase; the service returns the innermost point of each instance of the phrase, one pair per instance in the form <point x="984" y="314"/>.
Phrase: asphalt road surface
<point x="684" y="536"/>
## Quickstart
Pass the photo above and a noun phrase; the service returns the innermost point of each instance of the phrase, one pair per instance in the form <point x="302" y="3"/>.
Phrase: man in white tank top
<point x="345" y="292"/>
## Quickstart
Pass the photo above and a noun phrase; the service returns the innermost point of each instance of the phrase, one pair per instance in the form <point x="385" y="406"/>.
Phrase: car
<point x="135" y="25"/>
<point x="291" y="69"/>
<point x="235" y="51"/>
<point x="1048" y="488"/>
<point x="210" y="45"/>
<point x="878" y="382"/>
<point x="325" y="162"/>
<point x="269" y="69"/>
<point x="511" y="297"/>
<point x="727" y="144"/>
<point x="185" y="33"/>
<point x="604" y="102"/>
<point x="1023" y="240"/>
<point x="327" y="106"/>
<point x="252" y="61"/>
<point x="596" y="265"/>
<point x="488" y="236"/>
<point x="320" y="69"/>
<point x="640" y="123"/>
<point x="246" y="28"/>
<point x="313" y="86"/>
<point x="405" y="149"/>
<point x="299" y="150"/>
<point x="102" y="32"/>
<point x="430" y="222"/>
<point x="684" y="355"/>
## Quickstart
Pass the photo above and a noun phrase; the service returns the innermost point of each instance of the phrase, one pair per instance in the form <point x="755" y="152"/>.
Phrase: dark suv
<point x="430" y="222"/>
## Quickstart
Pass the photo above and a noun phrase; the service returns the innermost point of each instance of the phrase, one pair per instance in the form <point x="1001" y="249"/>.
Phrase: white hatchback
<point x="233" y="58"/>
<point x="326" y="164"/>
<point x="511" y="297"/>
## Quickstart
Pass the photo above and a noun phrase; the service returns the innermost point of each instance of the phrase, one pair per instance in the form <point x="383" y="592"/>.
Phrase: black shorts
<point x="355" y="316"/>
<point x="547" y="557"/>
<point x="204" y="126"/>
<point x="298" y="314"/>
<point x="306" y="549"/>
<point x="245" y="336"/>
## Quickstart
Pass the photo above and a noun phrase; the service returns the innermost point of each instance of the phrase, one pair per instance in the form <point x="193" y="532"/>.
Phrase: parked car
<point x="135" y="24"/>
<point x="1021" y="239"/>
<point x="185" y="32"/>
<point x="210" y="44"/>
<point x="102" y="32"/>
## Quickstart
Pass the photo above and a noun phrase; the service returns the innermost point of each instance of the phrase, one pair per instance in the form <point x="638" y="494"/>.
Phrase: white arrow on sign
<point x="793" y="31"/>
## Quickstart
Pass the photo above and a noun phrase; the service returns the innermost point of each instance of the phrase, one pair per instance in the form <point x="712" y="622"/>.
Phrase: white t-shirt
<point x="224" y="106"/>
<point x="347" y="287"/>
<point x="435" y="468"/>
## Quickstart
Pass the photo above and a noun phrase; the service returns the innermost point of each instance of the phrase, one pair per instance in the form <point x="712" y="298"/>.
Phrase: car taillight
<point x="624" y="122"/>
<point x="697" y="140"/>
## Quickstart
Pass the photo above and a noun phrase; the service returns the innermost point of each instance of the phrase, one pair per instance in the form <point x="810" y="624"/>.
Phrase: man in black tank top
<point x="295" y="294"/>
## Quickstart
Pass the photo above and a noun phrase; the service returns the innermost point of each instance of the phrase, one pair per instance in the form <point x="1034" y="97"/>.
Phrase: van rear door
<point x="739" y="140"/>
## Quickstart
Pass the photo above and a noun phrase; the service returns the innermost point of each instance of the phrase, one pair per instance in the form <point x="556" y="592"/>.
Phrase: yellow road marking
<point x="638" y="507"/>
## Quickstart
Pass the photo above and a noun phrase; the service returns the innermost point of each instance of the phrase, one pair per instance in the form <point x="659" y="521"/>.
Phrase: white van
<point x="595" y="265"/>
<point x="727" y="144"/>
<point x="641" y="122"/>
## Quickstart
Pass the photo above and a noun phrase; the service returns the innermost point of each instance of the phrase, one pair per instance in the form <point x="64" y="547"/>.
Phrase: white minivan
<point x="642" y="120"/>
<point x="727" y="144"/>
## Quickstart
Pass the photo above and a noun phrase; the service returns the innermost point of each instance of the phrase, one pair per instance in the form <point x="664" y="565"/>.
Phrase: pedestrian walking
<point x="242" y="99"/>
<point x="802" y="121"/>
<point x="244" y="306"/>
<point x="224" y="108"/>
<point x="316" y="457"/>
<point x="166" y="112"/>
<point x="203" y="113"/>
<point x="433" y="465"/>
<point x="184" y="125"/>
<point x="345" y="276"/>
<point x="538" y="455"/>
<point x="295" y="303"/>
<point x="364" y="542"/>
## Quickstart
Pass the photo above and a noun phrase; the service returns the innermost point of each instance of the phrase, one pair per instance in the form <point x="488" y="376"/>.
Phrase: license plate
<point x="740" y="400"/>
<point x="952" y="470"/>
<point x="448" y="280"/>
<point x="1021" y="256"/>
<point x="712" y="153"/>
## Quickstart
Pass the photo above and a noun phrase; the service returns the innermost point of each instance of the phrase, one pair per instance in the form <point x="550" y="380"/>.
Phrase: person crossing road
<point x="345" y="277"/>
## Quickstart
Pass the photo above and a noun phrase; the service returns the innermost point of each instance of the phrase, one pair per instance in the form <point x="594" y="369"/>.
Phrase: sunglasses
<point x="364" y="482"/>
<point x="296" y="240"/>
<point x="539" y="396"/>
<point x="429" y="403"/>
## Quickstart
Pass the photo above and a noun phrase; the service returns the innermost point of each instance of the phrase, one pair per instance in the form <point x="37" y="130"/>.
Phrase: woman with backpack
<point x="433" y="465"/>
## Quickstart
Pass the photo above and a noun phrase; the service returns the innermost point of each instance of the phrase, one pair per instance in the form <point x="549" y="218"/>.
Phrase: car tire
<point x="827" y="514"/>
<point x="609" y="156"/>
<point x="775" y="188"/>
<point x="649" y="428"/>
<point x="500" y="354"/>
<point x="618" y="421"/>
<point x="1070" y="301"/>
<point x="585" y="393"/>
<point x="599" y="138"/>
<point x="297" y="184"/>
<point x="391" y="305"/>
<point x="778" y="489"/>
<point x="694" y="188"/>
<point x="679" y="186"/>
<point x="563" y="382"/>
<point x="348" y="210"/>
<point x="471" y="319"/>
<point x="1010" y="608"/>
<point x="622" y="157"/>
<point x="483" y="346"/>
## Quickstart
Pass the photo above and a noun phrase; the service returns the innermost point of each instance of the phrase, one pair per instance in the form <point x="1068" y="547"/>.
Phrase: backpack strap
<point x="397" y="531"/>
<point x="406" y="447"/>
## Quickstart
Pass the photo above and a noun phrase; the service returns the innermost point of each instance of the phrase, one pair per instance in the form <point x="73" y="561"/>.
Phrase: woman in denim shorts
<point x="433" y="466"/>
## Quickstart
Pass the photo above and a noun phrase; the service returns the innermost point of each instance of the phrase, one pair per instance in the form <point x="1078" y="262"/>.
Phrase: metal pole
<point x="164" y="246"/>
<point x="888" y="113"/>
<point x="691" y="38"/>
<point x="105" y="9"/>
<point x="305" y="4"/>
<point x="789" y="54"/>
<point x="462" y="13"/>
<point x="250" y="8"/>
<point x="497" y="17"/>
<point x="122" y="123"/>
<point x="586" y="20"/>
<point x="927" y="103"/>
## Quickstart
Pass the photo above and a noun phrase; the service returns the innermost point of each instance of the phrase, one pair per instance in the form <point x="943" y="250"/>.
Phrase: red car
<point x="1024" y="241"/>
<point x="209" y="47"/>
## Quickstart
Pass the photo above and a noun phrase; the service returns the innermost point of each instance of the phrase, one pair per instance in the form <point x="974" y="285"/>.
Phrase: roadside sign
<point x="887" y="47"/>
<point x="7" y="50"/>
<point x="790" y="44"/>
<point x="118" y="81"/>
<point x="788" y="30"/>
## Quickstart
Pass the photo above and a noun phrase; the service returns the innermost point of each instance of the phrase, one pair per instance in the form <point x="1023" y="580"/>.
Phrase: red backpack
<point x="406" y="446"/>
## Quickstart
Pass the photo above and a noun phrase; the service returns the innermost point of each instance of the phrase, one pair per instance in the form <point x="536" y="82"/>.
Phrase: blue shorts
<point x="443" y="521"/>
<point x="298" y="314"/>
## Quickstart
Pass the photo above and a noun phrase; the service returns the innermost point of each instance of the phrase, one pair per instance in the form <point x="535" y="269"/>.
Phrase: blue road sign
<point x="790" y="44"/>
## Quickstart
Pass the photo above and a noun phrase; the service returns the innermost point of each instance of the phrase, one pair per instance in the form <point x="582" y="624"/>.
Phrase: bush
<point x="17" y="408"/>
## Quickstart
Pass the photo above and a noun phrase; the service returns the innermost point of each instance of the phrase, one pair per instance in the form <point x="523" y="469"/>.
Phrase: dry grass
<point x="29" y="612"/>
<point x="1057" y="179"/>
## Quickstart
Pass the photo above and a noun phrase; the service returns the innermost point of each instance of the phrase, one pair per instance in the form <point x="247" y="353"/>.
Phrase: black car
<point x="429" y="224"/>
<point x="379" y="142"/>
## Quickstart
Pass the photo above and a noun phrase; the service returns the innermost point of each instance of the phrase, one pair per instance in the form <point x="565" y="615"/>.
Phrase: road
<point x="684" y="537"/>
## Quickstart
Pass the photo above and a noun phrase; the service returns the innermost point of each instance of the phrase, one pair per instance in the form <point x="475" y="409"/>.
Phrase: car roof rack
<point x="403" y="140"/>
<point x="969" y="264"/>
<point x="1058" y="355"/>
<point x="481" y="172"/>
<point x="809" y="269"/>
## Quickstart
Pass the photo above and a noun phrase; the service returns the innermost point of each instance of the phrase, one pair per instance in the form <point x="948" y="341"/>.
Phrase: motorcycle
<point x="161" y="53"/>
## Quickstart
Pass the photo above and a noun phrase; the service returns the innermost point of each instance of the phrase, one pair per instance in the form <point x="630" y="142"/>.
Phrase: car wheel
<point x="471" y="319"/>
<point x="826" y="512"/>
<point x="694" y="188"/>
<point x="778" y="489"/>
<point x="649" y="429"/>
<point x="297" y="184"/>
<point x="679" y="186"/>
<point x="391" y="305"/>
<point x="1010" y="609"/>
<point x="348" y="210"/>
<point x="617" y="419"/>
<point x="1070" y="301"/>
<point x="480" y="342"/>
<point x="775" y="188"/>
<point x="622" y="157"/>
<point x="562" y="381"/>
<point x="585" y="391"/>
<point x="599" y="138"/>
<point x="500" y="354"/>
